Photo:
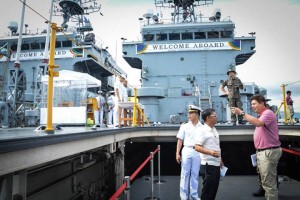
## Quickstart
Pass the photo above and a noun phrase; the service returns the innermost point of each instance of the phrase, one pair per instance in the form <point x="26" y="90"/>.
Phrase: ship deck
<point x="24" y="147"/>
<point x="231" y="187"/>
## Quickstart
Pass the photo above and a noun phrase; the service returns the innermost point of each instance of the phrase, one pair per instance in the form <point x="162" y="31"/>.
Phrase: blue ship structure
<point x="184" y="61"/>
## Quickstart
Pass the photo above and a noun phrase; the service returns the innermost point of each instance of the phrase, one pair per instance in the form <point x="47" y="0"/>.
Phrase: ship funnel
<point x="13" y="27"/>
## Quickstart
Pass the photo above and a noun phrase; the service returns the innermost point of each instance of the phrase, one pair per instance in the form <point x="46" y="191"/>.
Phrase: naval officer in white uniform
<point x="189" y="158"/>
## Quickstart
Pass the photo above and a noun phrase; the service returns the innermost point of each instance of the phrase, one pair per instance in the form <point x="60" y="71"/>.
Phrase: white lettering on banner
<point x="39" y="55"/>
<point x="154" y="48"/>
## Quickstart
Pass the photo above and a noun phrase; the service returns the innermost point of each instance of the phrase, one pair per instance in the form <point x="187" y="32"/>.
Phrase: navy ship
<point x="184" y="61"/>
<point x="76" y="49"/>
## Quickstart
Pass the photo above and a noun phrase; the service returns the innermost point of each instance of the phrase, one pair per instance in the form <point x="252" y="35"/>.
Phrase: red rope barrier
<point x="119" y="192"/>
<point x="297" y="153"/>
<point x="142" y="165"/>
<point x="123" y="187"/>
<point x="139" y="168"/>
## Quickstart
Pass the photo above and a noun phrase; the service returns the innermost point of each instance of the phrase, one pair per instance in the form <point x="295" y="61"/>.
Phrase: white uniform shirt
<point x="100" y="101"/>
<point x="111" y="101"/>
<point x="125" y="93"/>
<point x="187" y="133"/>
<point x="118" y="85"/>
<point x="208" y="138"/>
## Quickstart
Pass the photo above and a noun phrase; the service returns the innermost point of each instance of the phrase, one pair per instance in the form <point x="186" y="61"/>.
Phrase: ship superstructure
<point x="77" y="49"/>
<point x="184" y="61"/>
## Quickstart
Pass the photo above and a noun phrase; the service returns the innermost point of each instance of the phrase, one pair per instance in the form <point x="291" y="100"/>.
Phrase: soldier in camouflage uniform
<point x="234" y="84"/>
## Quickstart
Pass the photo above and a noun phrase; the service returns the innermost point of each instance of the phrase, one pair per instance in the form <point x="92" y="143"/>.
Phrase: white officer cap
<point x="193" y="108"/>
<point x="100" y="92"/>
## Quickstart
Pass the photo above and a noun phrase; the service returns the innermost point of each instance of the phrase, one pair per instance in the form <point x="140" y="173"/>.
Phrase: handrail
<point x="297" y="153"/>
<point x="122" y="188"/>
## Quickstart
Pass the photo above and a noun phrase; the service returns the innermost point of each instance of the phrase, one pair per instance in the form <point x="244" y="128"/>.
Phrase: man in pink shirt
<point x="266" y="142"/>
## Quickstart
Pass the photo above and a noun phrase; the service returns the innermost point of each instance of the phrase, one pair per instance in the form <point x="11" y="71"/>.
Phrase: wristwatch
<point x="242" y="114"/>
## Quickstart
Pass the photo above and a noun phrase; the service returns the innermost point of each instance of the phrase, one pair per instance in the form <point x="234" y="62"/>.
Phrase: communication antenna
<point x="13" y="27"/>
<point x="76" y="11"/>
<point x="148" y="16"/>
<point x="184" y="10"/>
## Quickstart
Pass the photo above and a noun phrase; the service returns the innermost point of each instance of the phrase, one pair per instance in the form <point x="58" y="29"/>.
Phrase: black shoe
<point x="241" y="122"/>
<point x="259" y="193"/>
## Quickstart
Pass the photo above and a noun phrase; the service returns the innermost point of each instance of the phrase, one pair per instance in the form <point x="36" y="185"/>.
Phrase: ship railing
<point x="209" y="97"/>
<point x="126" y="185"/>
<point x="199" y="19"/>
<point x="205" y="100"/>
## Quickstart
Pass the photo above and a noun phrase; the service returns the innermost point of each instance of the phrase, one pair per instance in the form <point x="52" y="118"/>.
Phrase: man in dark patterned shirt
<point x="233" y="84"/>
<point x="289" y="102"/>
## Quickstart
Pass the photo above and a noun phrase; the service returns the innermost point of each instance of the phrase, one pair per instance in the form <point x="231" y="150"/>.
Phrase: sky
<point x="276" y="23"/>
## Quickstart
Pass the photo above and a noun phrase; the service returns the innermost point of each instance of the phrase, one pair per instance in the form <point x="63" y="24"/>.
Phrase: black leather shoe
<point x="259" y="193"/>
<point x="241" y="122"/>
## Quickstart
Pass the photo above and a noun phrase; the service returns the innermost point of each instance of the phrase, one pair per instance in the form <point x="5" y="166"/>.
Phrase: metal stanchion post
<point x="127" y="190"/>
<point x="152" y="176"/>
<point x="151" y="171"/>
<point x="159" y="181"/>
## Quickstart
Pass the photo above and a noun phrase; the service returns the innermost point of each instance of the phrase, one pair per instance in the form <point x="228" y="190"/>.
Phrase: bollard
<point x="127" y="190"/>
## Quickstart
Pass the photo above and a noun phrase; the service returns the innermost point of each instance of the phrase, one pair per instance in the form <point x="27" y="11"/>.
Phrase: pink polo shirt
<point x="268" y="135"/>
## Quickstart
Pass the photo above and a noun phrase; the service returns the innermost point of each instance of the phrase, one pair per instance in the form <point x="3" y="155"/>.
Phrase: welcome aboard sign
<point x="199" y="46"/>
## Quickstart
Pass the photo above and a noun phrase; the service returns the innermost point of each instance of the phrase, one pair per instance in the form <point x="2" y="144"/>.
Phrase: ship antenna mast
<point x="184" y="10"/>
<point x="76" y="11"/>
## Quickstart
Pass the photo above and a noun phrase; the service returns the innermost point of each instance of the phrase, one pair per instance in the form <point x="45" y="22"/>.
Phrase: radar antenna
<point x="76" y="11"/>
<point x="184" y="10"/>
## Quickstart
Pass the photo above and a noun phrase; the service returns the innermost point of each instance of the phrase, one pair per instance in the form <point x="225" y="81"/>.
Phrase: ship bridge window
<point x="35" y="45"/>
<point x="42" y="45"/>
<point x="200" y="35"/>
<point x="161" y="37"/>
<point x="58" y="44"/>
<point x="13" y="47"/>
<point x="213" y="34"/>
<point x="148" y="37"/>
<point x="226" y="34"/>
<point x="187" y="36"/>
<point x="174" y="36"/>
<point x="67" y="43"/>
<point x="25" y="47"/>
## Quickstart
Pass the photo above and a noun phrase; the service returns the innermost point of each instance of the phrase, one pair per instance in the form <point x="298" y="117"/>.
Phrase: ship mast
<point x="17" y="83"/>
<point x="184" y="10"/>
<point x="75" y="11"/>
